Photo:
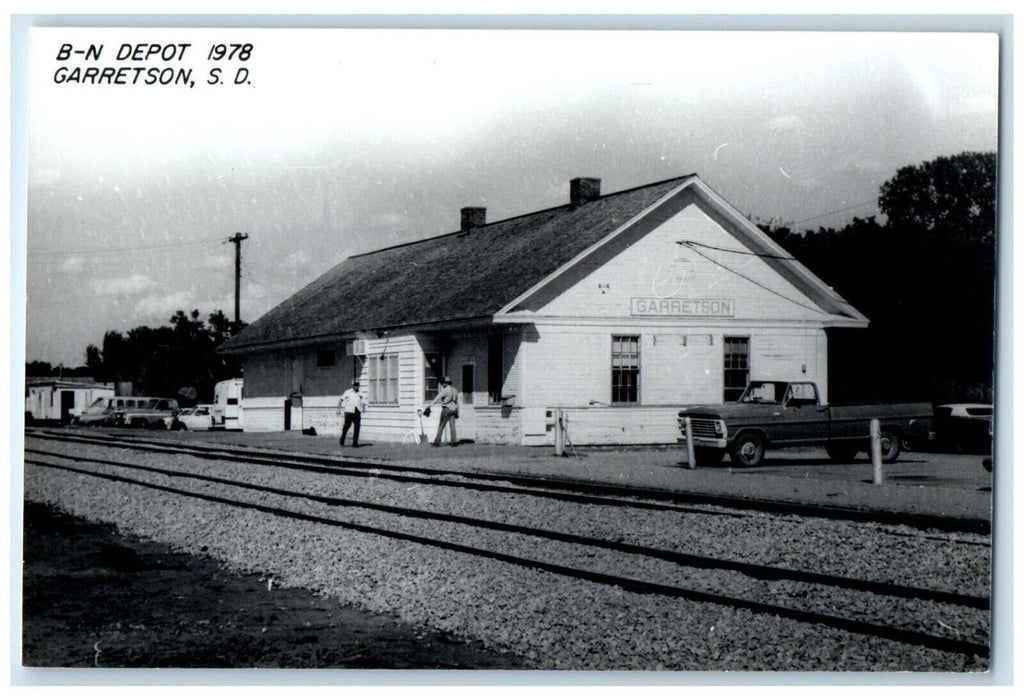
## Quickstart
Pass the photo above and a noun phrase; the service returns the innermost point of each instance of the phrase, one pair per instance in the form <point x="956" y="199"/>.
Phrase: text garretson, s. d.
<point x="181" y="64"/>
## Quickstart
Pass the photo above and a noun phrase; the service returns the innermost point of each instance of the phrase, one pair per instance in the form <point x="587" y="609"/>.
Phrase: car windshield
<point x="763" y="392"/>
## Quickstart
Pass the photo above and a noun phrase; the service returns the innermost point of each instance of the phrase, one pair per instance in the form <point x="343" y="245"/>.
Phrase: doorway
<point x="67" y="402"/>
<point x="467" y="411"/>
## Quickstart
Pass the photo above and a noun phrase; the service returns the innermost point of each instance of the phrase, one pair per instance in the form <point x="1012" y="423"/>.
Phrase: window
<point x="495" y="366"/>
<point x="433" y="372"/>
<point x="383" y="377"/>
<point x="625" y="368"/>
<point x="325" y="358"/>
<point x="736" y="367"/>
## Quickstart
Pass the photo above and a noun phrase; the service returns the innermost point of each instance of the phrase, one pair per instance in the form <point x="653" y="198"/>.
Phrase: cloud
<point x="389" y="220"/>
<point x="73" y="264"/>
<point x="297" y="260"/>
<point x="163" y="306"/>
<point x="135" y="284"/>
<point x="786" y="122"/>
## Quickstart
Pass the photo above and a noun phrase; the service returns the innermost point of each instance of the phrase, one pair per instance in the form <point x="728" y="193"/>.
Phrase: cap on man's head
<point x="355" y="383"/>
<point x="446" y="380"/>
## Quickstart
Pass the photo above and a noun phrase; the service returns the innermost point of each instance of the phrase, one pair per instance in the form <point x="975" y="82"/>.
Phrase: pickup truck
<point x="144" y="412"/>
<point x="790" y="414"/>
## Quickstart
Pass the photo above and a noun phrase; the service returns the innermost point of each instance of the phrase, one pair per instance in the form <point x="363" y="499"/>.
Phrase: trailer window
<point x="625" y="368"/>
<point x="737" y="367"/>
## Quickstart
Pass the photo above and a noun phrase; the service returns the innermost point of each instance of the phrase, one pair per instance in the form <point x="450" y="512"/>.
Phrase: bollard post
<point x="876" y="451"/>
<point x="691" y="456"/>
<point x="559" y="434"/>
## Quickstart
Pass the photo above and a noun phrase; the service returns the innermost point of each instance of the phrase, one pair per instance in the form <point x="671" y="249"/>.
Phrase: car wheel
<point x="747" y="450"/>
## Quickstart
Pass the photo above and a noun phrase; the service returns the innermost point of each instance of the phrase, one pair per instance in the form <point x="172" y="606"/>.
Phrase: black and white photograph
<point x="509" y="346"/>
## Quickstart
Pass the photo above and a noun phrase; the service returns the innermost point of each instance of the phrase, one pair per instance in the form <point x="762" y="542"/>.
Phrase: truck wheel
<point x="708" y="455"/>
<point x="890" y="446"/>
<point x="747" y="450"/>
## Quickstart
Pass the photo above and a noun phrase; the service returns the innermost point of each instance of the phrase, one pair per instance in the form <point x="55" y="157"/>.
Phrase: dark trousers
<point x="351" y="421"/>
<point x="447" y="418"/>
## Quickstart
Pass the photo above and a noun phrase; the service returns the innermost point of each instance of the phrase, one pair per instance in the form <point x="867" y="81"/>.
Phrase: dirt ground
<point x="94" y="598"/>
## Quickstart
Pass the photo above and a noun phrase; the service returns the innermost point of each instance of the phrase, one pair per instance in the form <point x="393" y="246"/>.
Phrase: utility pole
<point x="237" y="240"/>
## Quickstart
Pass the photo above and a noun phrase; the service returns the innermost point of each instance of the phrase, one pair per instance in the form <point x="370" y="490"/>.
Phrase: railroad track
<point x="584" y="492"/>
<point x="810" y="597"/>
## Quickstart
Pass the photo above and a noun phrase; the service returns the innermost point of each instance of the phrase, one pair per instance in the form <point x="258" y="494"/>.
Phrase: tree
<point x="175" y="360"/>
<point x="925" y="280"/>
<point x="951" y="196"/>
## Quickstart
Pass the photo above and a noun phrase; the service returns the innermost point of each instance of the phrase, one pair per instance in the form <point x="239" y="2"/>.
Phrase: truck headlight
<point x="719" y="428"/>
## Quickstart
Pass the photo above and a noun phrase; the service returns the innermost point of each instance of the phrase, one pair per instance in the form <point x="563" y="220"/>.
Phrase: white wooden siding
<point x="571" y="365"/>
<point x="658" y="267"/>
<point x="263" y="413"/>
<point x="625" y="426"/>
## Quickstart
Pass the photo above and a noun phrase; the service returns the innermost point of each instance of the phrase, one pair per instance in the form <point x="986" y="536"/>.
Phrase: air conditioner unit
<point x="359" y="347"/>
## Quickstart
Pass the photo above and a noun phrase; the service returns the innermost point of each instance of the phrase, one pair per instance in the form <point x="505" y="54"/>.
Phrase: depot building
<point x="617" y="308"/>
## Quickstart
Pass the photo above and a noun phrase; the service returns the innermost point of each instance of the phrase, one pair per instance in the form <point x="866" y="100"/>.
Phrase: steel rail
<point x="943" y="523"/>
<point x="758" y="571"/>
<point x="924" y="639"/>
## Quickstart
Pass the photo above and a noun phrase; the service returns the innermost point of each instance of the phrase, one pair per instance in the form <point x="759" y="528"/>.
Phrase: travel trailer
<point x="227" y="402"/>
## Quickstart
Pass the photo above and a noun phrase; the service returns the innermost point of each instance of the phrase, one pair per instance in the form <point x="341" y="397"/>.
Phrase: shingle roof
<point x="446" y="278"/>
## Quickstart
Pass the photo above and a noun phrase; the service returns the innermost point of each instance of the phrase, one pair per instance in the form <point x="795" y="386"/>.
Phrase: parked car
<point x="99" y="412"/>
<point x="198" y="417"/>
<point x="963" y="427"/>
<point x="790" y="414"/>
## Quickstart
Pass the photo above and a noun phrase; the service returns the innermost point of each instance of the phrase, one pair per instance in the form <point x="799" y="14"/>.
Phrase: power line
<point x="738" y="252"/>
<point x="752" y="281"/>
<point x="124" y="249"/>
<point x="835" y="211"/>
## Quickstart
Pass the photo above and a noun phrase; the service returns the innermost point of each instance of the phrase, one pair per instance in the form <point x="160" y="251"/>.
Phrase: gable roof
<point x="473" y="275"/>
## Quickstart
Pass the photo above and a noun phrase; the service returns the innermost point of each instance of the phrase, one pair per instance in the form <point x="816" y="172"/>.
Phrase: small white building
<point x="56" y="399"/>
<point x="618" y="308"/>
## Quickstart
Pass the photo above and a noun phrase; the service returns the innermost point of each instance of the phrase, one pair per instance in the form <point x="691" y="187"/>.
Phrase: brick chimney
<point x="473" y="217"/>
<point x="583" y="190"/>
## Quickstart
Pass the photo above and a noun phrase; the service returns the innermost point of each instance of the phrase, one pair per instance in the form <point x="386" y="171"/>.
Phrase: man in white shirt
<point x="448" y="397"/>
<point x="352" y="404"/>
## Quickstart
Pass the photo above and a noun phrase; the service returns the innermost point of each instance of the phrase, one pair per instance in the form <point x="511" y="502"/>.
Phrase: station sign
<point x="703" y="308"/>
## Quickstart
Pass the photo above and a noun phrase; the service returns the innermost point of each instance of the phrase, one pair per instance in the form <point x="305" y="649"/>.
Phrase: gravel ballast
<point x="557" y="622"/>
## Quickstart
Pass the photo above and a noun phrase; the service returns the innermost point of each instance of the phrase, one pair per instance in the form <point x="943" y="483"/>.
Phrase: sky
<point x="338" y="142"/>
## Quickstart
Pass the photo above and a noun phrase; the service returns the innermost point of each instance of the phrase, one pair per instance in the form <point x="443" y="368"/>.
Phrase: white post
<point x="876" y="451"/>
<point x="559" y="433"/>
<point x="691" y="457"/>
